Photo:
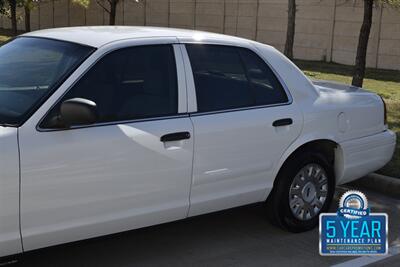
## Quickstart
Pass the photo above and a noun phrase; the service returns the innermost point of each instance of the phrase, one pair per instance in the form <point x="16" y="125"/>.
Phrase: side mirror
<point x="78" y="111"/>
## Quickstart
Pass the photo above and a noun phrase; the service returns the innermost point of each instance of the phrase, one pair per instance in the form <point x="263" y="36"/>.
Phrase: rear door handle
<point x="282" y="122"/>
<point x="175" y="137"/>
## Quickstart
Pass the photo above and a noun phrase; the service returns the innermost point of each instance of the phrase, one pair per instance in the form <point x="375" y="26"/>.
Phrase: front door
<point x="120" y="173"/>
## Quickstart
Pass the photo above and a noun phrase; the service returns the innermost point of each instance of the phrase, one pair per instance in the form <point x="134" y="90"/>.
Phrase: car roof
<point x="97" y="36"/>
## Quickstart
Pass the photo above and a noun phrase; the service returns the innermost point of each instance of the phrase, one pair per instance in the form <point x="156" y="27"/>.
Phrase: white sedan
<point x="107" y="129"/>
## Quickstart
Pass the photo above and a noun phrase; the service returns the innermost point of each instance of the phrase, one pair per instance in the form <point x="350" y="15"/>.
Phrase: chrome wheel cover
<point x="308" y="192"/>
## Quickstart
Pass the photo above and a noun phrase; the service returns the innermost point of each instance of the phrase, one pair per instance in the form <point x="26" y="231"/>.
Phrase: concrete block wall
<point x="389" y="41"/>
<point x="348" y="22"/>
<point x="325" y="29"/>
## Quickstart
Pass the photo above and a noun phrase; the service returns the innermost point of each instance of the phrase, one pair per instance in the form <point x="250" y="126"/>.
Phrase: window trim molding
<point x="201" y="113"/>
<point x="178" y="62"/>
<point x="102" y="124"/>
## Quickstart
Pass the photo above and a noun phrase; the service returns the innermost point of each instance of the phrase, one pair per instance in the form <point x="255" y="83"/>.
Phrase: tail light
<point x="384" y="111"/>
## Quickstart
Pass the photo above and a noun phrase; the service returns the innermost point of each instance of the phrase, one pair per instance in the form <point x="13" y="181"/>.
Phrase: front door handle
<point x="282" y="122"/>
<point x="175" y="137"/>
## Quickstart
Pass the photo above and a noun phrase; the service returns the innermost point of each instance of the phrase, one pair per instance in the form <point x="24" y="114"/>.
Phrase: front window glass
<point x="30" y="68"/>
<point x="127" y="84"/>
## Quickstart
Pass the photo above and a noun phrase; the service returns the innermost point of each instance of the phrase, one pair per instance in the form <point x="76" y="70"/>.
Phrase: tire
<point x="280" y="200"/>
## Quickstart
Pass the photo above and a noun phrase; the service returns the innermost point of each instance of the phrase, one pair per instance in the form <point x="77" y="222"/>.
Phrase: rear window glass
<point x="230" y="77"/>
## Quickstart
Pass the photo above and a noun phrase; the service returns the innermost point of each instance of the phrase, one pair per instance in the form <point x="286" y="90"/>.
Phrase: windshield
<point x="30" y="68"/>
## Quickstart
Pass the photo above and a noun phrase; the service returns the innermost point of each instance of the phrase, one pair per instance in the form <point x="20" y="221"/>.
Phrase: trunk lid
<point x="333" y="87"/>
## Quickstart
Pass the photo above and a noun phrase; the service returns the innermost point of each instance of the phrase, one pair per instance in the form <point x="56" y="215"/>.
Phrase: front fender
<point x="10" y="238"/>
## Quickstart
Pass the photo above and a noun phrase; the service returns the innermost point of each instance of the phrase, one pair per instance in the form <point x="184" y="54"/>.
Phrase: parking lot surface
<point x="237" y="237"/>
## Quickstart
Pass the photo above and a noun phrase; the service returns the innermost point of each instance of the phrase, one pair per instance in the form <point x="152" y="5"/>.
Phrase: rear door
<point x="245" y="119"/>
<point x="129" y="169"/>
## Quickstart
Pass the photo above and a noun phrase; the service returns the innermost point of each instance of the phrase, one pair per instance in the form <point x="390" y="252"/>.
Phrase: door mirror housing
<point x="78" y="111"/>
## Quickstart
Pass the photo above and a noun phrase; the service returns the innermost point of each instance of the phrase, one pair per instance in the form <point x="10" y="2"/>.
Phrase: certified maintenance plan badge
<point x="353" y="230"/>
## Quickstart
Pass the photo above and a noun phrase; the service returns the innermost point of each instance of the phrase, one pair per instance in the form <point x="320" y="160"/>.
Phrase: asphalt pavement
<point x="237" y="237"/>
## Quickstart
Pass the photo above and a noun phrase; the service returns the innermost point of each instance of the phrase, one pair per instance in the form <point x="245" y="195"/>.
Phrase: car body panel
<point x="10" y="238"/>
<point x="236" y="154"/>
<point x="86" y="182"/>
<point x="362" y="156"/>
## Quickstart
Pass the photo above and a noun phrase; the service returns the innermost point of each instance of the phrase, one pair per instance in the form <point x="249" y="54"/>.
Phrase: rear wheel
<point x="303" y="189"/>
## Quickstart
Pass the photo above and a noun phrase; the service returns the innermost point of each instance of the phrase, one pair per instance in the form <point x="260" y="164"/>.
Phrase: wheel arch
<point x="327" y="146"/>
